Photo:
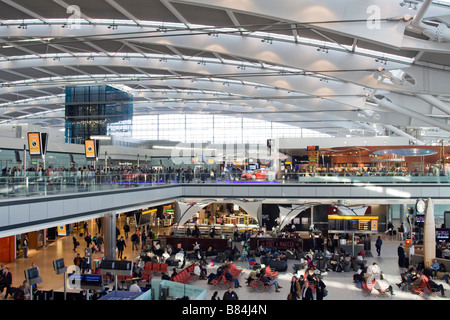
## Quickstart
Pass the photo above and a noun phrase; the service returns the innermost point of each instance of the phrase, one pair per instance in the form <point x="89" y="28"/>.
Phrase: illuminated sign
<point x="34" y="143"/>
<point x="89" y="146"/>
<point x="313" y="148"/>
<point x="353" y="223"/>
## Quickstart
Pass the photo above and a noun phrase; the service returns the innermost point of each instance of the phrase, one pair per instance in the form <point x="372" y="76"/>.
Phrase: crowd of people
<point x="185" y="174"/>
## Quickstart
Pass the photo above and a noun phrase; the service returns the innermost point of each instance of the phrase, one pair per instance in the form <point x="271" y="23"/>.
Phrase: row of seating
<point x="150" y="268"/>
<point x="185" y="275"/>
<point x="233" y="270"/>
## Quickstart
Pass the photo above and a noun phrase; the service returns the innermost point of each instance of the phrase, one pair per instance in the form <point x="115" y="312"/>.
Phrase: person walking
<point x="321" y="291"/>
<point x="294" y="291"/>
<point x="134" y="241"/>
<point x="100" y="243"/>
<point x="120" y="247"/>
<point x="126" y="229"/>
<point x="143" y="239"/>
<point x="378" y="245"/>
<point x="76" y="243"/>
<point x="25" y="245"/>
<point x="88" y="240"/>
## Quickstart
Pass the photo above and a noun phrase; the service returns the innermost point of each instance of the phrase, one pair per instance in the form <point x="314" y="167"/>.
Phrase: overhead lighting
<point x="412" y="5"/>
<point x="268" y="40"/>
<point x="381" y="61"/>
<point x="101" y="137"/>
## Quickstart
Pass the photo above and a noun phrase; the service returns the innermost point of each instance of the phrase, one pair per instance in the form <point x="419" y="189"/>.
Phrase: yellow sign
<point x="374" y="225"/>
<point x="34" y="143"/>
<point x="89" y="146"/>
<point x="149" y="211"/>
<point x="62" y="230"/>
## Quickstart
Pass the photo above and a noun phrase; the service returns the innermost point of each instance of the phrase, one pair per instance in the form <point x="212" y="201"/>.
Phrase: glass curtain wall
<point x="198" y="128"/>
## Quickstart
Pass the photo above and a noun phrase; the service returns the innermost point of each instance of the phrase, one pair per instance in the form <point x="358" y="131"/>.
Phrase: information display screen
<point x="350" y="223"/>
<point x="443" y="235"/>
<point x="144" y="217"/>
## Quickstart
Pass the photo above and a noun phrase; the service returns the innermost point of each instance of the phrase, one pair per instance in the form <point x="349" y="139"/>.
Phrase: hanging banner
<point x="34" y="144"/>
<point x="89" y="146"/>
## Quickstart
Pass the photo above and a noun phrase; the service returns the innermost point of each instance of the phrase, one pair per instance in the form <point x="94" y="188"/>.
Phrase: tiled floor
<point x="340" y="285"/>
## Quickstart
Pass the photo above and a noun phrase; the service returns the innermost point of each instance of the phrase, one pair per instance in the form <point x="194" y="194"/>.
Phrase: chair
<point x="156" y="267"/>
<point x="255" y="283"/>
<point x="163" y="267"/>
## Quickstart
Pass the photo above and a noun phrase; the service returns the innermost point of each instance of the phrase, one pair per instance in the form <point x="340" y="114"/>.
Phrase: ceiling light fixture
<point x="381" y="60"/>
<point x="412" y="5"/>
<point x="268" y="40"/>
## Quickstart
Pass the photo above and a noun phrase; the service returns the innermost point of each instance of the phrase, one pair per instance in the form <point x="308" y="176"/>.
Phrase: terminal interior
<point x="310" y="130"/>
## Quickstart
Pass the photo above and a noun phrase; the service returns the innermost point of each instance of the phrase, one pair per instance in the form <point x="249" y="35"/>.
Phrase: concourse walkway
<point x="340" y="285"/>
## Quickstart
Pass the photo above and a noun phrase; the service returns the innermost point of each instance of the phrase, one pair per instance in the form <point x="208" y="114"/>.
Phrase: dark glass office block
<point x="90" y="110"/>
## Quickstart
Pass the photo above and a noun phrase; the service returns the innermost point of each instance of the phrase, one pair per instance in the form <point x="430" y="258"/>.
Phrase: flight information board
<point x="352" y="223"/>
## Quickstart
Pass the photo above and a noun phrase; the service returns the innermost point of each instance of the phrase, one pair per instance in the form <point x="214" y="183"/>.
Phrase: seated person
<point x="416" y="280"/>
<point x="445" y="278"/>
<point x="229" y="277"/>
<point x="165" y="276"/>
<point x="260" y="251"/>
<point x="200" y="272"/>
<point x="136" y="271"/>
<point x="216" y="275"/>
<point x="446" y="253"/>
<point x="434" y="268"/>
<point x="269" y="281"/>
<point x="437" y="287"/>
<point x="383" y="285"/>
<point x="252" y="276"/>
<point x="165" y="256"/>
<point x="374" y="272"/>
<point x="359" y="275"/>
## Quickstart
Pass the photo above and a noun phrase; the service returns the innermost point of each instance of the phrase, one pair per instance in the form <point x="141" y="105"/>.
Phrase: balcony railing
<point x="66" y="182"/>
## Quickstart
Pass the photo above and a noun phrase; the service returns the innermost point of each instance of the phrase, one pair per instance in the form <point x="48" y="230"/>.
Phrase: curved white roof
<point x="349" y="65"/>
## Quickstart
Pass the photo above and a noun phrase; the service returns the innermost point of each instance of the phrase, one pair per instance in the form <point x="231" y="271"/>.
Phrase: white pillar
<point x="429" y="235"/>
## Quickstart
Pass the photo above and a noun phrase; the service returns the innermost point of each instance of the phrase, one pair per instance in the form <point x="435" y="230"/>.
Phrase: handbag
<point x="325" y="292"/>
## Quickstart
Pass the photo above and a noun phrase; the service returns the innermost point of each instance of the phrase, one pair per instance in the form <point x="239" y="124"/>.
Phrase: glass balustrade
<point x="66" y="182"/>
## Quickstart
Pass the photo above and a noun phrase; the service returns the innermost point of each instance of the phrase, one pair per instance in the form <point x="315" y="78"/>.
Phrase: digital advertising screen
<point x="34" y="143"/>
<point x="89" y="146"/>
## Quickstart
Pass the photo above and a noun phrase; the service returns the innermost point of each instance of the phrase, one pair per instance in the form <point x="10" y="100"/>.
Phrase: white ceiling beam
<point x="66" y="6"/>
<point x="24" y="10"/>
<point x="175" y="12"/>
<point x="123" y="11"/>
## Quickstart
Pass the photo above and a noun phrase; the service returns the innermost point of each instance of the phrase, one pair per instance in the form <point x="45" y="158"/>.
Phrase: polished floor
<point x="340" y="285"/>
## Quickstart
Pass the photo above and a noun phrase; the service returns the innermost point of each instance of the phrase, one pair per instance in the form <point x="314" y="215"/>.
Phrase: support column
<point x="429" y="235"/>
<point x="403" y="219"/>
<point x="109" y="232"/>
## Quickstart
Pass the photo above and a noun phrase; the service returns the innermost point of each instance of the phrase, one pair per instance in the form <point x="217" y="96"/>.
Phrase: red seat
<point x="148" y="266"/>
<point x="155" y="267"/>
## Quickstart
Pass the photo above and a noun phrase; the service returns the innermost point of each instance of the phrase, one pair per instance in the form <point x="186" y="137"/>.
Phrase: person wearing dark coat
<point x="401" y="256"/>
<point x="378" y="245"/>
<point x="230" y="295"/>
<point x="120" y="247"/>
<point x="6" y="283"/>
